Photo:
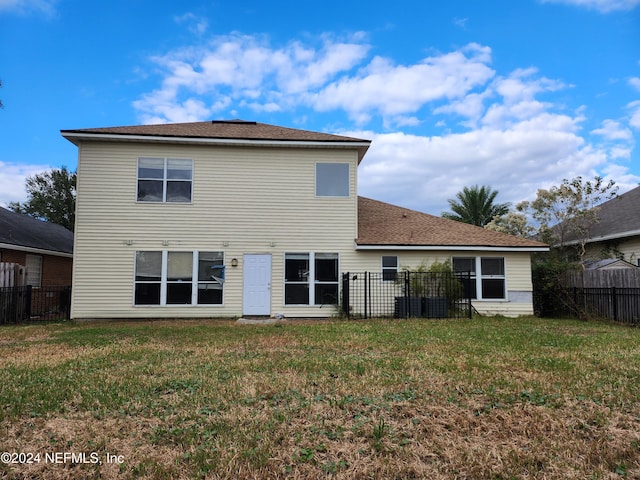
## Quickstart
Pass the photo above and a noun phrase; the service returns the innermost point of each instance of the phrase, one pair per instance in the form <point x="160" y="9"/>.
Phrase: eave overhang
<point x="41" y="251"/>
<point x="460" y="248"/>
<point x="76" y="137"/>
<point x="604" y="238"/>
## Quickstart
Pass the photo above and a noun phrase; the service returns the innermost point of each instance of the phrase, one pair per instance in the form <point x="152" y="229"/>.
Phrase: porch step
<point x="259" y="320"/>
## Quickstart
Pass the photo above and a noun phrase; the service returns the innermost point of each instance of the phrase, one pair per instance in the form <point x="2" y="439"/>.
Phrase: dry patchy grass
<point x="480" y="399"/>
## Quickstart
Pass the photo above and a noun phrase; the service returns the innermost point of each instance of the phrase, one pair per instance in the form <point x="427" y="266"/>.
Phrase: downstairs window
<point x="179" y="278"/>
<point x="488" y="277"/>
<point x="311" y="278"/>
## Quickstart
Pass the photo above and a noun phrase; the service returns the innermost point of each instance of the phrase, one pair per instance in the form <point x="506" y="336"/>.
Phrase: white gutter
<point x="20" y="248"/>
<point x="457" y="248"/>
<point x="219" y="141"/>
<point x="604" y="238"/>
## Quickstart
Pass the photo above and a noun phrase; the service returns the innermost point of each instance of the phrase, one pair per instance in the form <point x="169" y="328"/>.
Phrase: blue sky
<point x="513" y="94"/>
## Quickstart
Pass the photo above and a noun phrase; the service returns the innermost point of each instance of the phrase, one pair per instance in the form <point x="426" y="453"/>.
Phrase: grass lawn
<point x="487" y="398"/>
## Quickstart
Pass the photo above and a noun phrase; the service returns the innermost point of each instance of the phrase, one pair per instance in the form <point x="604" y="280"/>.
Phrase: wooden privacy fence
<point x="613" y="294"/>
<point x="617" y="304"/>
<point x="619" y="278"/>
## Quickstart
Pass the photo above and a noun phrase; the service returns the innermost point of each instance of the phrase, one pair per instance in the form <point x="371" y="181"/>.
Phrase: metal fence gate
<point x="27" y="303"/>
<point x="406" y="294"/>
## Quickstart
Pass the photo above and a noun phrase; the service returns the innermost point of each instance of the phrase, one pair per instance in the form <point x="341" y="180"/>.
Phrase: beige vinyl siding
<point x="628" y="248"/>
<point x="517" y="272"/>
<point x="244" y="200"/>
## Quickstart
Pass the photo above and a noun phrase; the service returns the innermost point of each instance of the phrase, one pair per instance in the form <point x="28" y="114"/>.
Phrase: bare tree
<point x="566" y="213"/>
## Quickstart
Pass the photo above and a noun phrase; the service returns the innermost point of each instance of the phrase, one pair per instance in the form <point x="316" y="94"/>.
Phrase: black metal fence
<point x="24" y="304"/>
<point x="613" y="303"/>
<point x="406" y="294"/>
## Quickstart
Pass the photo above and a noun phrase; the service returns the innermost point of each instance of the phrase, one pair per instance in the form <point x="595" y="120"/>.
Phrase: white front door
<point x="257" y="285"/>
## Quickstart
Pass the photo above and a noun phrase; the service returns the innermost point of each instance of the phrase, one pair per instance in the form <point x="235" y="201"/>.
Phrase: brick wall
<point x="55" y="270"/>
<point x="13" y="256"/>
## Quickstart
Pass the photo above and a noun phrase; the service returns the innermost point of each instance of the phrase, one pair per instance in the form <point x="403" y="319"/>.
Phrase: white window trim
<point x="311" y="283"/>
<point x="502" y="277"/>
<point x="384" y="269"/>
<point x="165" y="180"/>
<point x="478" y="277"/>
<point x="163" y="281"/>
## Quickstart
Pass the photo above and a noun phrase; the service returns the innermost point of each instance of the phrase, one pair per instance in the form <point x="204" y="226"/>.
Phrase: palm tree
<point x="475" y="205"/>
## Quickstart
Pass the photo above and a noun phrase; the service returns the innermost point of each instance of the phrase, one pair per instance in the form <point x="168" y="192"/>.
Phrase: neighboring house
<point x="46" y="249"/>
<point x="231" y="218"/>
<point x="617" y="232"/>
<point x="609" y="264"/>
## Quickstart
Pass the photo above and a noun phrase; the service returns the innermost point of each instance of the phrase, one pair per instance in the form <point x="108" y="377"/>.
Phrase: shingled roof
<point x="385" y="225"/>
<point x="231" y="131"/>
<point x="19" y="231"/>
<point x="618" y="218"/>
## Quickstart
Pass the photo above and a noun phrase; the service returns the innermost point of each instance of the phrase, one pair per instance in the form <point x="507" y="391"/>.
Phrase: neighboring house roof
<point x="608" y="263"/>
<point x="20" y="232"/>
<point x="382" y="225"/>
<point x="618" y="218"/>
<point x="218" y="131"/>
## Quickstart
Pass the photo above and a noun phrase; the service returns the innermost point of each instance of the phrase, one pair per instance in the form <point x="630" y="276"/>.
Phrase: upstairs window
<point x="167" y="180"/>
<point x="332" y="179"/>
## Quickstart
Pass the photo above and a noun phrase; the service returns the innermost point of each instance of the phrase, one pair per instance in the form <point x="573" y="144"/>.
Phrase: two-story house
<point x="232" y="218"/>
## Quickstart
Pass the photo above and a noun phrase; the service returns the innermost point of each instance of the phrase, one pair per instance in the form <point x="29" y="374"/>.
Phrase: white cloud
<point x="513" y="99"/>
<point x="331" y="77"/>
<point x="635" y="82"/>
<point x="23" y="7"/>
<point x="612" y="130"/>
<point x="502" y="130"/>
<point x="423" y="172"/>
<point x="604" y="6"/>
<point x="517" y="145"/>
<point x="461" y="22"/>
<point x="195" y="24"/>
<point x="12" y="181"/>
<point x="634" y="107"/>
<point x="236" y="67"/>
<point x="389" y="89"/>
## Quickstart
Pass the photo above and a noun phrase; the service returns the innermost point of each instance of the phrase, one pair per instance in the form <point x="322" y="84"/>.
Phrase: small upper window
<point x="165" y="180"/>
<point x="332" y="179"/>
<point x="389" y="267"/>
